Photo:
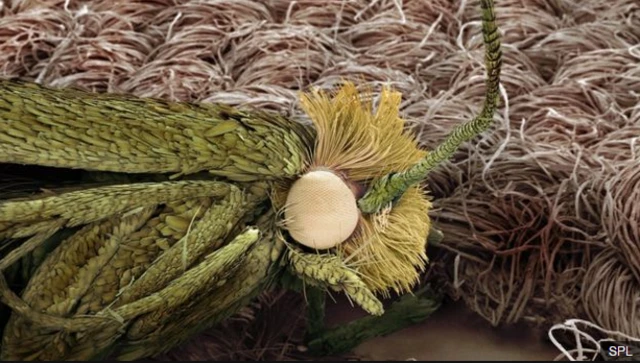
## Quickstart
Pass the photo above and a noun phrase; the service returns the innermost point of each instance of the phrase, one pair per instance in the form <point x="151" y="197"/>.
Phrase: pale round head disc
<point x="321" y="210"/>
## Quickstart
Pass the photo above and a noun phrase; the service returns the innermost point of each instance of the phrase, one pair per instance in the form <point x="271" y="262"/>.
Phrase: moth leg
<point x="329" y="271"/>
<point x="41" y="217"/>
<point x="55" y="326"/>
<point x="21" y="217"/>
<point x="408" y="310"/>
<point x="212" y="271"/>
<point x="205" y="310"/>
<point x="205" y="236"/>
<point x="316" y="301"/>
<point x="148" y="314"/>
<point x="165" y="281"/>
<point x="48" y="230"/>
<point x="90" y="205"/>
<point x="325" y="270"/>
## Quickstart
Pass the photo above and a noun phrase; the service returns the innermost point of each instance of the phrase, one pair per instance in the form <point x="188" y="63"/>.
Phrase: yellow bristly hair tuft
<point x="390" y="249"/>
<point x="351" y="139"/>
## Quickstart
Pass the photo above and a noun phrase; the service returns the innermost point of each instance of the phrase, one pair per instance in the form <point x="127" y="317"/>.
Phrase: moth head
<point x="354" y="145"/>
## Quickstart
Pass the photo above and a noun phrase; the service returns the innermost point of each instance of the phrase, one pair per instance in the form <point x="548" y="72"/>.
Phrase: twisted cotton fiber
<point x="541" y="215"/>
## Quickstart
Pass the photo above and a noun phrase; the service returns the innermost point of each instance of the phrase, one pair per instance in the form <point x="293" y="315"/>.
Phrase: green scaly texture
<point x="80" y="306"/>
<point x="325" y="270"/>
<point x="256" y="274"/>
<point x="120" y="133"/>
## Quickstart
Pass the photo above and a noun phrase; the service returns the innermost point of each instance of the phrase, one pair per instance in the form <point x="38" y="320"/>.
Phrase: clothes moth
<point x="321" y="210"/>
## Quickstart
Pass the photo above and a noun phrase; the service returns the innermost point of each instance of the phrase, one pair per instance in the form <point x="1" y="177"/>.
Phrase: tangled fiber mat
<point x="587" y="348"/>
<point x="541" y="216"/>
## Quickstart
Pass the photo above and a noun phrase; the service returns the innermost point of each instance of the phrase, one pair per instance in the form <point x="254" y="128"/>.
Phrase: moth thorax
<point x="321" y="210"/>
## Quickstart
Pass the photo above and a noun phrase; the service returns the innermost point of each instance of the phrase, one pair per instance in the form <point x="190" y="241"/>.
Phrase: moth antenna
<point x="391" y="187"/>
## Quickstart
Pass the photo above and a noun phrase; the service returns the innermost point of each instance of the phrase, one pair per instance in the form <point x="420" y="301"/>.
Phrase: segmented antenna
<point x="391" y="187"/>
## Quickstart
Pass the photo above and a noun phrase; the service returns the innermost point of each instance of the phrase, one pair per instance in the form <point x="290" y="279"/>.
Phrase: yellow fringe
<point x="389" y="252"/>
<point x="354" y="141"/>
